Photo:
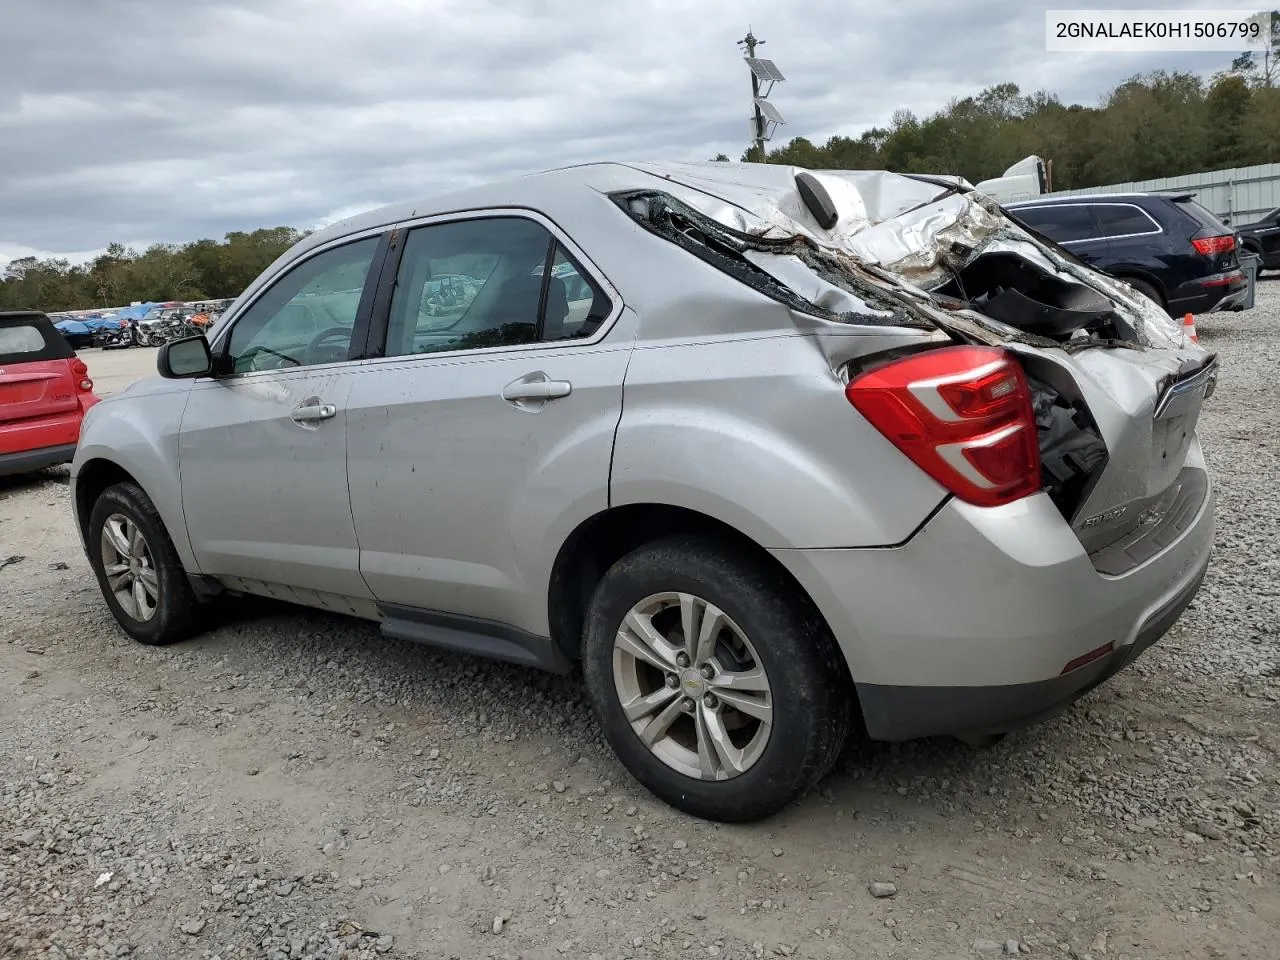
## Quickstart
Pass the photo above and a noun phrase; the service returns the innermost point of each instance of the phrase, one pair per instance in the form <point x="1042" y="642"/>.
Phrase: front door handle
<point x="536" y="387"/>
<point x="313" y="411"/>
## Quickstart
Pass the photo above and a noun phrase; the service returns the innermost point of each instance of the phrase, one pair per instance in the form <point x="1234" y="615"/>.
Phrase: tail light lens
<point x="80" y="371"/>
<point x="963" y="415"/>
<point x="1212" y="246"/>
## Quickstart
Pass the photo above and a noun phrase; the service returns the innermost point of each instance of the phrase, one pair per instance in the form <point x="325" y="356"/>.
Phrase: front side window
<point x="481" y="283"/>
<point x="307" y="316"/>
<point x="1060" y="223"/>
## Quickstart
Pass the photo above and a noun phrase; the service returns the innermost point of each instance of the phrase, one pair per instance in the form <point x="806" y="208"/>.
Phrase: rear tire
<point x="138" y="570"/>
<point x="767" y="652"/>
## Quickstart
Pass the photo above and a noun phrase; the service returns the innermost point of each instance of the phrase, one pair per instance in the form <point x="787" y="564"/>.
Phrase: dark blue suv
<point x="1165" y="245"/>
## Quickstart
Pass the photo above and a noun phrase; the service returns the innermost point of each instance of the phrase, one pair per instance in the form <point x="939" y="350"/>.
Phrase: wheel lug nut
<point x="710" y="701"/>
<point x="687" y="705"/>
<point x="707" y="671"/>
<point x="682" y="660"/>
<point x="673" y="681"/>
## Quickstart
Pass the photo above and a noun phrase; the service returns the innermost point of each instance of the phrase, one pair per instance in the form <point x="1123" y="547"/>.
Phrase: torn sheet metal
<point x="918" y="233"/>
<point x="794" y="273"/>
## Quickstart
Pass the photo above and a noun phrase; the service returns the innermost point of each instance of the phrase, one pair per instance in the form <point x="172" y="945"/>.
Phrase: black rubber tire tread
<point x="813" y="699"/>
<point x="177" y="614"/>
<point x="1146" y="289"/>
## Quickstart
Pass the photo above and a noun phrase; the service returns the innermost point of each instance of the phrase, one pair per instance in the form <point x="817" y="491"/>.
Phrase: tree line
<point x="1160" y="124"/>
<point x="202" y="270"/>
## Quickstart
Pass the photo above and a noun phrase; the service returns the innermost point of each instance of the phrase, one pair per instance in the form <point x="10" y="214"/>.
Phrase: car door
<point x="485" y="433"/>
<point x="1269" y="236"/>
<point x="1137" y="246"/>
<point x="262" y="447"/>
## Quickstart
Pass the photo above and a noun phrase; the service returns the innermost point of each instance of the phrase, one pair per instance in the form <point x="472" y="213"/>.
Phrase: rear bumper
<point x="973" y="624"/>
<point x="25" y="461"/>
<point x="906" y="713"/>
<point x="1226" y="291"/>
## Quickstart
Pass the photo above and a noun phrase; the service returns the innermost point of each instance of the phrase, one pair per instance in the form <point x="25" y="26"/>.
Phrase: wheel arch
<point x="603" y="539"/>
<point x="94" y="476"/>
<point x="96" y="468"/>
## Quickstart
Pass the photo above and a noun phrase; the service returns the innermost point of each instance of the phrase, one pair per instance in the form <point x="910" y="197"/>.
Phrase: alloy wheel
<point x="129" y="567"/>
<point x="692" y="686"/>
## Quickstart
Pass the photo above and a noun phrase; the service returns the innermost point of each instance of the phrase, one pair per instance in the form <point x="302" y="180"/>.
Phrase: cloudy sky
<point x="162" y="120"/>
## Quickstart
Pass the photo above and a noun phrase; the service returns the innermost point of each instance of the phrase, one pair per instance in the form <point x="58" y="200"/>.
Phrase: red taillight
<point x="1211" y="246"/>
<point x="80" y="371"/>
<point x="963" y="415"/>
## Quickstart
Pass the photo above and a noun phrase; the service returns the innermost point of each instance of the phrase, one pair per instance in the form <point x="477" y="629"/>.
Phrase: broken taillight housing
<point x="963" y="415"/>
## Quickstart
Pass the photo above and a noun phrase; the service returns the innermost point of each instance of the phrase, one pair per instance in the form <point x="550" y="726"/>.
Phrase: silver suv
<point x="767" y="452"/>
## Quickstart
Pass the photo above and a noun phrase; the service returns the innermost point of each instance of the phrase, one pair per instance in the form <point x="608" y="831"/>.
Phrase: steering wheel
<point x="331" y="333"/>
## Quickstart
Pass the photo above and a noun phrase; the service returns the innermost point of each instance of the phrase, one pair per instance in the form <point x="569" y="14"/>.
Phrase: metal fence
<point x="1243" y="194"/>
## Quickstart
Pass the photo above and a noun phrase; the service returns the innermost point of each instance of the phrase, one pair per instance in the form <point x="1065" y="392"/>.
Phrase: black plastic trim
<point x="28" y="461"/>
<point x="375" y="344"/>
<point x="205" y="588"/>
<point x="540" y="325"/>
<point x="360" y="333"/>
<point x="484" y="638"/>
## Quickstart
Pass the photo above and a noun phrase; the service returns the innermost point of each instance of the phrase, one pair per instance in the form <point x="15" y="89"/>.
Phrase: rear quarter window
<point x="1202" y="216"/>
<point x="1123" y="220"/>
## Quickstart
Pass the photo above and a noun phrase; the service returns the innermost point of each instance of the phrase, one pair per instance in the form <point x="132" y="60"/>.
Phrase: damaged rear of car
<point x="1055" y="408"/>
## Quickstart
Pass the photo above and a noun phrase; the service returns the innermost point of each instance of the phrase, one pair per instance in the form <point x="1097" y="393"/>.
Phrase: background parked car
<point x="44" y="392"/>
<point x="77" y="333"/>
<point x="1166" y="245"/>
<point x="1263" y="239"/>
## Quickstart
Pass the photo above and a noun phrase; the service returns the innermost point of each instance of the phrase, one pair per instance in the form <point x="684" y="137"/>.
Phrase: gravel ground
<point x="294" y="785"/>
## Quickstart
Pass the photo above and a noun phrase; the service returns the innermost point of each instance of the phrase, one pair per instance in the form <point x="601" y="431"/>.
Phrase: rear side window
<point x="16" y="340"/>
<point x="478" y="283"/>
<point x="1123" y="220"/>
<point x="1060" y="222"/>
<point x="29" y="338"/>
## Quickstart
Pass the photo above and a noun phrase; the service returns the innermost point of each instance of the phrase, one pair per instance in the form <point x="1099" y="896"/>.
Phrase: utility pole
<point x="764" y="114"/>
<point x="750" y="42"/>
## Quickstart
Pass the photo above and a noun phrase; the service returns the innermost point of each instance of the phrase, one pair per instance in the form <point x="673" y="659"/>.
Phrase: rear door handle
<point x="536" y="387"/>
<point x="313" y="412"/>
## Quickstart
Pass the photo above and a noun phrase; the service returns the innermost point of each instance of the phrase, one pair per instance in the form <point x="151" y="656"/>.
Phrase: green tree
<point x="1262" y="68"/>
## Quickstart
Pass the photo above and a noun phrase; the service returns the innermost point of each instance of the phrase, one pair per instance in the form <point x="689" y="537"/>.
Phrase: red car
<point x="44" y="391"/>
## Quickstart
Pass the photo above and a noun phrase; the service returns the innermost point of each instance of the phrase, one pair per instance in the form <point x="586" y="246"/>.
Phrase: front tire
<point x="138" y="570"/>
<point x="717" y="686"/>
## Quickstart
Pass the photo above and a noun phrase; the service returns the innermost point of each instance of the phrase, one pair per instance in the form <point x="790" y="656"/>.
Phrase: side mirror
<point x="185" y="358"/>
